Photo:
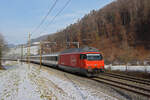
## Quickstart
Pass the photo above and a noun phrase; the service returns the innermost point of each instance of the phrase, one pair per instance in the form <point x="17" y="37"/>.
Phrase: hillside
<point x="120" y="30"/>
<point x="39" y="38"/>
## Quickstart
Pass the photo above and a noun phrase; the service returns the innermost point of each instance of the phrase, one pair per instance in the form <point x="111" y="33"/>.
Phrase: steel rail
<point x="127" y="78"/>
<point x="131" y="77"/>
<point x="125" y="86"/>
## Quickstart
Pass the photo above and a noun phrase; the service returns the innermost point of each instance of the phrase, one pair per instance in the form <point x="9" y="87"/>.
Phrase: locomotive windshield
<point x="91" y="56"/>
<point x="94" y="56"/>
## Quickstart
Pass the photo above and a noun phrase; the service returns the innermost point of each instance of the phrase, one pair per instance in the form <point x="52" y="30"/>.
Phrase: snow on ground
<point x="21" y="82"/>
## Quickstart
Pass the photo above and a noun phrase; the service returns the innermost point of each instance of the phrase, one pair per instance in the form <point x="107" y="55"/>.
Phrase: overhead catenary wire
<point x="50" y="22"/>
<point x="44" y="18"/>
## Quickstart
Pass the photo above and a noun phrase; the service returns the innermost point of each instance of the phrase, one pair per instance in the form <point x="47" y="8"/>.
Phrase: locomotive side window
<point x="83" y="56"/>
<point x="51" y="58"/>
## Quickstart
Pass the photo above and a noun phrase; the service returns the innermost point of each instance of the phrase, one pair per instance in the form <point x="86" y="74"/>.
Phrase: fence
<point x="145" y="68"/>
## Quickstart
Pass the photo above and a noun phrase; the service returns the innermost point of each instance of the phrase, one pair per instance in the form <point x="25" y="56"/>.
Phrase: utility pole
<point x="21" y="54"/>
<point x="0" y="54"/>
<point x="78" y="44"/>
<point x="41" y="43"/>
<point x="40" y="54"/>
<point x="29" y="51"/>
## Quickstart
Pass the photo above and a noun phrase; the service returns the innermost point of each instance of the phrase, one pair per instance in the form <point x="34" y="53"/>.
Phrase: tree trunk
<point x="0" y="57"/>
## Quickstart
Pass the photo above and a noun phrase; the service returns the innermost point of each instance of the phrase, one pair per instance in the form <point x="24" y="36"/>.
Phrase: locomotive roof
<point x="53" y="54"/>
<point x="85" y="49"/>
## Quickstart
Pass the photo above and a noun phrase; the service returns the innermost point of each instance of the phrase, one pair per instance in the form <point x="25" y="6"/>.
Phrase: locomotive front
<point x="93" y="62"/>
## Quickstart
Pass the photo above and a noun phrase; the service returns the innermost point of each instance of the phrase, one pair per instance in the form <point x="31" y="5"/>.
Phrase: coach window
<point x="49" y="58"/>
<point x="52" y="58"/>
<point x="44" y="58"/>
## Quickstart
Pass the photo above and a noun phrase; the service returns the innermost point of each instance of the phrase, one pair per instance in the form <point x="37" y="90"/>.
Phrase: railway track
<point x="129" y="78"/>
<point x="132" y="84"/>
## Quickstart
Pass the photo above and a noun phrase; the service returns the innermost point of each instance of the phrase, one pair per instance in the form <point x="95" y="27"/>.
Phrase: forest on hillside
<point x="120" y="30"/>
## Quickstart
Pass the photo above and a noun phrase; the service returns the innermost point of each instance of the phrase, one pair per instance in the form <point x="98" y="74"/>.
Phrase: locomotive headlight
<point x="89" y="67"/>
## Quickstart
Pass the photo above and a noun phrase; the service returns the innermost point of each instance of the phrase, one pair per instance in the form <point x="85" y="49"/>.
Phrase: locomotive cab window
<point x="94" y="57"/>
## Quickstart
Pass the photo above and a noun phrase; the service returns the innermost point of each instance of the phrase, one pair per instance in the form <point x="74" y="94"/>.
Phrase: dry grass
<point x="1" y="68"/>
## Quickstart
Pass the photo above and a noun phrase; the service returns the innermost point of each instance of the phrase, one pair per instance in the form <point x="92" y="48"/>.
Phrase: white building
<point x="34" y="50"/>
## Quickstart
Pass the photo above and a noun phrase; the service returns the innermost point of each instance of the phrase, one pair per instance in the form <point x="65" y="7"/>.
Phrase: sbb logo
<point x="73" y="60"/>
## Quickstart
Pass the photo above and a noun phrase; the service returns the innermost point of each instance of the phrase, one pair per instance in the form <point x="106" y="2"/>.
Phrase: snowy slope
<point x="31" y="83"/>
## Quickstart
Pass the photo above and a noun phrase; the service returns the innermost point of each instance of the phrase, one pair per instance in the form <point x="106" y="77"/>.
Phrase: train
<point x="87" y="61"/>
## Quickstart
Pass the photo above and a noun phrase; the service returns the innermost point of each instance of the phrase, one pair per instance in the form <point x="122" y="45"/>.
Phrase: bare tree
<point x="1" y="46"/>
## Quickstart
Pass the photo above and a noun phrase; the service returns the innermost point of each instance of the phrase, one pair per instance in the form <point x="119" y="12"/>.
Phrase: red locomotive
<point x="88" y="61"/>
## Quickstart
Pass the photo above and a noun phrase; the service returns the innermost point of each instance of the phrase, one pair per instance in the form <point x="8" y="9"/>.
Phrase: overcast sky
<point x="19" y="17"/>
